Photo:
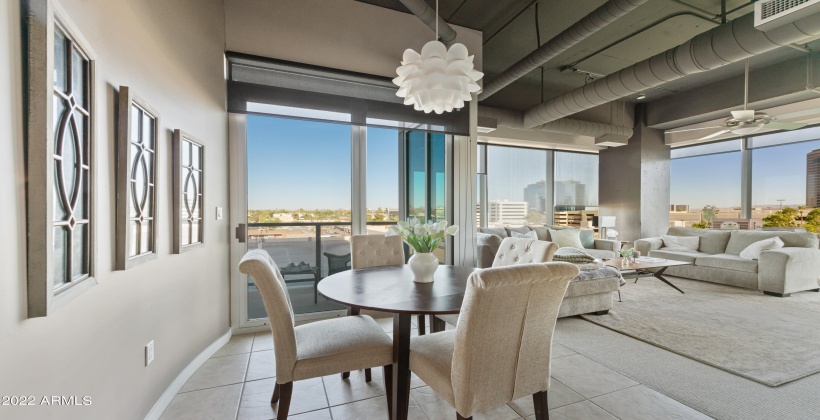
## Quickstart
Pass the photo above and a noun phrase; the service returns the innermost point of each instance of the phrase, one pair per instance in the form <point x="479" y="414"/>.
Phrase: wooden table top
<point x="641" y="264"/>
<point x="392" y="289"/>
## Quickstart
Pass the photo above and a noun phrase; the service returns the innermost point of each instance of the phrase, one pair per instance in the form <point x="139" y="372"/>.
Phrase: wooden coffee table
<point x="641" y="266"/>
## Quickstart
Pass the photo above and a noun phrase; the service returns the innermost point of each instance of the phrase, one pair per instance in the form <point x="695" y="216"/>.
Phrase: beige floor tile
<point x="261" y="366"/>
<point x="583" y="410"/>
<point x="560" y="351"/>
<point x="436" y="407"/>
<point x="372" y="409"/>
<point x="354" y="388"/>
<point x="238" y="344"/>
<point x="213" y="403"/>
<point x="308" y="395"/>
<point x="218" y="371"/>
<point x="262" y="341"/>
<point x="323" y="414"/>
<point x="642" y="403"/>
<point x="559" y="395"/>
<point x="587" y="377"/>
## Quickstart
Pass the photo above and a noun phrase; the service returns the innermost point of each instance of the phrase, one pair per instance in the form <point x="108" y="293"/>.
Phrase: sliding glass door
<point x="427" y="186"/>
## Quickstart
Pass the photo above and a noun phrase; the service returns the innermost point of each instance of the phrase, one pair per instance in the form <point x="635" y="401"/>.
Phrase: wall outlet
<point x="219" y="213"/>
<point x="149" y="353"/>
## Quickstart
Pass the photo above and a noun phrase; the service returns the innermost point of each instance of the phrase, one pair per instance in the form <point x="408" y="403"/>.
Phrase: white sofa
<point x="486" y="248"/>
<point x="779" y="272"/>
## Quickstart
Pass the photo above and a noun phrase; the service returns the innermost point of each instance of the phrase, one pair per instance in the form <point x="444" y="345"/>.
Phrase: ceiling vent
<point x="776" y="13"/>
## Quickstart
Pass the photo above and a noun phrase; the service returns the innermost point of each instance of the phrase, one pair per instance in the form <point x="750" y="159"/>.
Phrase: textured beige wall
<point x="342" y="34"/>
<point x="170" y="53"/>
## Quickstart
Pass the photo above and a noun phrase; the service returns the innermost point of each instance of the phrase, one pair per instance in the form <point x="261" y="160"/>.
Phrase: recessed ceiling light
<point x="641" y="97"/>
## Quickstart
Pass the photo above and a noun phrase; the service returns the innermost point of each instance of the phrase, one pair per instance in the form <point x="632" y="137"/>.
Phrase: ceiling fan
<point x="747" y="121"/>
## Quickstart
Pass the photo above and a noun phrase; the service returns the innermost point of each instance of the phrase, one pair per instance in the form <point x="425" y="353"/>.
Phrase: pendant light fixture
<point x="437" y="80"/>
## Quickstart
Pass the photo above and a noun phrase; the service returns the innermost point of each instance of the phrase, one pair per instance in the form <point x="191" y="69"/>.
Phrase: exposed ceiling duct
<point x="728" y="43"/>
<point x="428" y="15"/>
<point x="592" y="23"/>
<point x="514" y="119"/>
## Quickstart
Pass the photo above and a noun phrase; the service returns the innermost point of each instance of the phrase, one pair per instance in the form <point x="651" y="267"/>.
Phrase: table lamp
<point x="604" y="223"/>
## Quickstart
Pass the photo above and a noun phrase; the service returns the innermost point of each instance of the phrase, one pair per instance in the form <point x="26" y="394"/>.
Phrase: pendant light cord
<point x="437" y="18"/>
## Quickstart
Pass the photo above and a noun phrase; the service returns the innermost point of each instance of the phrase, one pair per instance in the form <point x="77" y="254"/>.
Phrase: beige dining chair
<point x="317" y="349"/>
<point x="500" y="350"/>
<point x="512" y="251"/>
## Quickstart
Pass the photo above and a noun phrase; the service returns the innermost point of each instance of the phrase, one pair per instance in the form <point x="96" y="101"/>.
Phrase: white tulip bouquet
<point x="422" y="237"/>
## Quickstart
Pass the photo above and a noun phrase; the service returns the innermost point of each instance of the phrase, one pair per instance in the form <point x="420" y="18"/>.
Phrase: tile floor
<point x="236" y="383"/>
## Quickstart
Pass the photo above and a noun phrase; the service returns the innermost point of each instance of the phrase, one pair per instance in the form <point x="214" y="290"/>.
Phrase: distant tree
<point x="783" y="218"/>
<point x="700" y="225"/>
<point x="379" y="217"/>
<point x="277" y="220"/>
<point x="813" y="221"/>
<point x="710" y="211"/>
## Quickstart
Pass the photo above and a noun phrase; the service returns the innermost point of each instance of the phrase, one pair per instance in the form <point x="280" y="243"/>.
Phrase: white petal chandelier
<point x="437" y="79"/>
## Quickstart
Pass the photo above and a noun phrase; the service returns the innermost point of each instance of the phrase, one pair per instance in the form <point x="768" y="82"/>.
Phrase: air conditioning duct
<point x="776" y="13"/>
<point x="605" y="134"/>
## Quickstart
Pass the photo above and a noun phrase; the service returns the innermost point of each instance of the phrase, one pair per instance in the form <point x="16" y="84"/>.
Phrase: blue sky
<point x="296" y="164"/>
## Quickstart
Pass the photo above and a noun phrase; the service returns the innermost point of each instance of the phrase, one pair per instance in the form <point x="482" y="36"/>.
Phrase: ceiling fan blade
<point x="746" y="115"/>
<point x="693" y="129"/>
<point x="713" y="135"/>
<point x="798" y="114"/>
<point x="785" y="126"/>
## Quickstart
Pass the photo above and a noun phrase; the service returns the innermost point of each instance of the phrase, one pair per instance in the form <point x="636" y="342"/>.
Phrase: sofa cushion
<point x="685" y="256"/>
<point x="494" y="231"/>
<point x="727" y="262"/>
<point x="542" y="232"/>
<point x="519" y="229"/>
<point x="601" y="254"/>
<point x="752" y="252"/>
<point x="711" y="241"/>
<point x="743" y="238"/>
<point x="681" y="243"/>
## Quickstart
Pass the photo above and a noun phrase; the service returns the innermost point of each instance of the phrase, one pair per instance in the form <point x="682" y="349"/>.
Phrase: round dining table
<point x="392" y="289"/>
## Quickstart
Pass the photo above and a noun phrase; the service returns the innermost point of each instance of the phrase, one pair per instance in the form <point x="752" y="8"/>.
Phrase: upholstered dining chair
<point x="317" y="349"/>
<point x="500" y="349"/>
<point x="512" y="251"/>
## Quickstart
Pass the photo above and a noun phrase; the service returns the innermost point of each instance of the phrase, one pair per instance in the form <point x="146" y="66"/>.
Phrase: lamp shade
<point x="606" y="221"/>
<point x="437" y="80"/>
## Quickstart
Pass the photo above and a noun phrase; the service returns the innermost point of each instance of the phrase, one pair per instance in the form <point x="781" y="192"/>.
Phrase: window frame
<point x="127" y="99"/>
<point x="180" y="138"/>
<point x="41" y="18"/>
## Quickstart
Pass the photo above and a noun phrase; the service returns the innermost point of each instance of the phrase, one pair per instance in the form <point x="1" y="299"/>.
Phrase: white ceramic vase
<point x="423" y="265"/>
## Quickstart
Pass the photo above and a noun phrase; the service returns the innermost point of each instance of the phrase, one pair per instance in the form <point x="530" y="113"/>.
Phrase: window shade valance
<point x="257" y="85"/>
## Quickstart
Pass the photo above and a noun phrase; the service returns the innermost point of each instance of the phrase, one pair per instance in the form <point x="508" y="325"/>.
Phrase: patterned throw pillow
<point x="572" y="255"/>
<point x="529" y="235"/>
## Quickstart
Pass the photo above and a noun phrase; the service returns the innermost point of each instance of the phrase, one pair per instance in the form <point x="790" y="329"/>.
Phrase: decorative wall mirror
<point x="189" y="160"/>
<point x="137" y="138"/>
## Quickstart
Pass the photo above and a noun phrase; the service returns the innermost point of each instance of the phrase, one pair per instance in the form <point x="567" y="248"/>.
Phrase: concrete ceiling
<point x="509" y="28"/>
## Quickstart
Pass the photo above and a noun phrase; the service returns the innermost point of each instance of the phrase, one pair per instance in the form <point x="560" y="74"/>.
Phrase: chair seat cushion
<point x="340" y="345"/>
<point x="727" y="262"/>
<point x="431" y="359"/>
<point x="685" y="256"/>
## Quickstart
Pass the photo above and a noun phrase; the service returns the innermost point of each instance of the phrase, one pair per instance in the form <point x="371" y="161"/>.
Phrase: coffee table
<point x="642" y="265"/>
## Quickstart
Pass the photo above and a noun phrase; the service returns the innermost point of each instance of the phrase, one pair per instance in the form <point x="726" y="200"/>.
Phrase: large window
<point x="383" y="183"/>
<point x="516" y="186"/>
<point x="785" y="171"/>
<point x="705" y="177"/>
<point x="576" y="189"/>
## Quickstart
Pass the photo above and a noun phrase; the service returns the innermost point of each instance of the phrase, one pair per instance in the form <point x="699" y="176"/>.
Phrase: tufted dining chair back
<point x="504" y="335"/>
<point x="514" y="251"/>
<point x="258" y="264"/>
<point x="376" y="251"/>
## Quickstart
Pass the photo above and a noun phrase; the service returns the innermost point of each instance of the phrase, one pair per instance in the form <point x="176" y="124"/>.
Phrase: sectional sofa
<point x="487" y="246"/>
<point x="778" y="272"/>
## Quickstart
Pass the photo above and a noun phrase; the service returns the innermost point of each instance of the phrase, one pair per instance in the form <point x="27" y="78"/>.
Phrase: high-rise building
<point x="813" y="179"/>
<point x="536" y="196"/>
<point x="507" y="212"/>
<point x="570" y="193"/>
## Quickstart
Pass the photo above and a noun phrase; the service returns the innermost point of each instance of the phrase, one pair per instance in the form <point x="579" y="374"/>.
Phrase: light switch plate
<point x="149" y="353"/>
<point x="219" y="213"/>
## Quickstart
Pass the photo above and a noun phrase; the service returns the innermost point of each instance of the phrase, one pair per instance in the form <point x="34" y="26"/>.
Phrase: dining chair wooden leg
<point x="388" y="388"/>
<point x="284" y="401"/>
<point x="275" y="397"/>
<point x="354" y="311"/>
<point x="422" y="327"/>
<point x="367" y="375"/>
<point x="542" y="409"/>
<point x="436" y="324"/>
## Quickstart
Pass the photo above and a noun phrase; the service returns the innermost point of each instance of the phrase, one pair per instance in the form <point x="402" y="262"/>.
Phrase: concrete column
<point x="634" y="182"/>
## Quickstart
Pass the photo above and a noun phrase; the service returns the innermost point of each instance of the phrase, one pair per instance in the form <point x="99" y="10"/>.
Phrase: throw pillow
<point x="520" y="229"/>
<point x="572" y="255"/>
<point x="681" y="243"/>
<point x="567" y="238"/>
<point x="494" y="231"/>
<point x="752" y="252"/>
<point x="542" y="232"/>
<point x="529" y="235"/>
<point x="588" y="238"/>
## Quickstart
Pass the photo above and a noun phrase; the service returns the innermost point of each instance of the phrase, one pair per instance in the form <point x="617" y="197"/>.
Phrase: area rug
<point x="763" y="338"/>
